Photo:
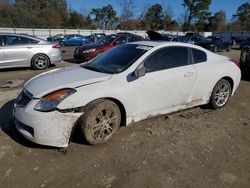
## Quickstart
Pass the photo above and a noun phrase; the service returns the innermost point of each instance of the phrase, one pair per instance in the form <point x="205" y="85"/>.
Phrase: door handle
<point x="188" y="74"/>
<point x="29" y="47"/>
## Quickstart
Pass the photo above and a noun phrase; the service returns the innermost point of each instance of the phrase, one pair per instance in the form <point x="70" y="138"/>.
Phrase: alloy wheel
<point x="222" y="94"/>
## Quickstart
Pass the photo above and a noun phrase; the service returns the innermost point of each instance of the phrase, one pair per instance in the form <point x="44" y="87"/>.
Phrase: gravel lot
<point x="199" y="147"/>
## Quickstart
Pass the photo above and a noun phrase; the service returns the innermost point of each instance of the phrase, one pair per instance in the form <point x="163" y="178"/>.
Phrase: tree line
<point x="58" y="14"/>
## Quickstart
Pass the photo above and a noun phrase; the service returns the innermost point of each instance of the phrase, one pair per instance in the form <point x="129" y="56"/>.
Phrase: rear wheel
<point x="229" y="48"/>
<point x="82" y="43"/>
<point x="40" y="62"/>
<point x="215" y="49"/>
<point x="100" y="122"/>
<point x="221" y="94"/>
<point x="61" y="43"/>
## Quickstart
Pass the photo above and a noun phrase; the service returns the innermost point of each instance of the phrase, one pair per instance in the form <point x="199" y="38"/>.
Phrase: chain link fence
<point x="44" y="33"/>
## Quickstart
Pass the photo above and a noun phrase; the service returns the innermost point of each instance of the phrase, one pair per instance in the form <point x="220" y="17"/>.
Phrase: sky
<point x="84" y="6"/>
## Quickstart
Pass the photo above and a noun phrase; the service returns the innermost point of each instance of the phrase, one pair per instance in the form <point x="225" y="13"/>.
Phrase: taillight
<point x="236" y="62"/>
<point x="56" y="46"/>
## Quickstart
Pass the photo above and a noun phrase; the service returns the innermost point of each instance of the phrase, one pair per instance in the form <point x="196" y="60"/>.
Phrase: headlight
<point x="88" y="51"/>
<point x="52" y="100"/>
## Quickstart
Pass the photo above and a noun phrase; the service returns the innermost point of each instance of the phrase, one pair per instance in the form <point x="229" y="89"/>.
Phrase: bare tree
<point x="127" y="7"/>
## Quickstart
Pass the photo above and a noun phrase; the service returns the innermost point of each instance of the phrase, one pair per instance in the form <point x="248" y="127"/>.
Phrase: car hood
<point x="69" y="77"/>
<point x="88" y="46"/>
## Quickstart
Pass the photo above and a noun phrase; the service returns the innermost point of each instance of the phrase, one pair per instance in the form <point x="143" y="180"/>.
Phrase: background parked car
<point x="222" y="43"/>
<point x="153" y="35"/>
<point x="57" y="37"/>
<point x="245" y="42"/>
<point x="26" y="51"/>
<point x="74" y="40"/>
<point x="90" y="51"/>
<point x="215" y="44"/>
<point x="245" y="60"/>
<point x="191" y="39"/>
<point x="95" y="36"/>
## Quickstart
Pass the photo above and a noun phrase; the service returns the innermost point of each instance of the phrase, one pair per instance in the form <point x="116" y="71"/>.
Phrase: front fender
<point x="89" y="93"/>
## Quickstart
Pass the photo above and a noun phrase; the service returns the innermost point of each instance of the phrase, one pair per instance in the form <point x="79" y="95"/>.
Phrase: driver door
<point x="17" y="51"/>
<point x="2" y="60"/>
<point x="167" y="84"/>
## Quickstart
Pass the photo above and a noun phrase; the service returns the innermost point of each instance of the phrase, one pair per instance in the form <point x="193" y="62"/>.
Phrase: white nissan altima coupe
<point x="123" y="85"/>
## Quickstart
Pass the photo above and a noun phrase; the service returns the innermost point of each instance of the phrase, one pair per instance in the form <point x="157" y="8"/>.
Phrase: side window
<point x="199" y="56"/>
<point x="133" y="39"/>
<point x="17" y="40"/>
<point x="12" y="40"/>
<point x="167" y="58"/>
<point x="32" y="41"/>
<point x="120" y="40"/>
<point x="1" y="40"/>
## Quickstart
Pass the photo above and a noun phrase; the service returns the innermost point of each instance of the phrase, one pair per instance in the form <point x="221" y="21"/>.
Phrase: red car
<point x="90" y="51"/>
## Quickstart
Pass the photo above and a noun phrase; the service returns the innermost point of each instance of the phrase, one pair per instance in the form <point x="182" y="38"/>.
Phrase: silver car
<point x="18" y="50"/>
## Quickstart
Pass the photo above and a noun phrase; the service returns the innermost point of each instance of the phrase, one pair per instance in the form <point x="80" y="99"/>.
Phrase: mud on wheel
<point x="221" y="94"/>
<point x="100" y="121"/>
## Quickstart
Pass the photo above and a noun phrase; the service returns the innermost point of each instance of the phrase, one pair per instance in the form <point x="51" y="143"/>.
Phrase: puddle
<point x="12" y="83"/>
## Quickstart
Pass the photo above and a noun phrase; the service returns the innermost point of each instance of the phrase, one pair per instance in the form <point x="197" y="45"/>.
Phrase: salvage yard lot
<point x="199" y="147"/>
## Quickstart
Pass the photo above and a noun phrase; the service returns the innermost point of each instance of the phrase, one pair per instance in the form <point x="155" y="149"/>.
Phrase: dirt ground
<point x="198" y="147"/>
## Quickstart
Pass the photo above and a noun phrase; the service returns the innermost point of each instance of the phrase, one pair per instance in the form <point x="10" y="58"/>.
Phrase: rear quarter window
<point x="199" y="56"/>
<point x="32" y="41"/>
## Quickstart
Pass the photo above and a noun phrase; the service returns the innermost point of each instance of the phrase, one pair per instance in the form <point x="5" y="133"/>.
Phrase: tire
<point x="221" y="94"/>
<point x="82" y="43"/>
<point x="40" y="62"/>
<point x="229" y="48"/>
<point x="100" y="121"/>
<point x="243" y="61"/>
<point x="215" y="49"/>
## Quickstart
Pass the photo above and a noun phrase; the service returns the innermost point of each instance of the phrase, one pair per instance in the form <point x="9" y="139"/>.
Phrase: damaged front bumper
<point x="45" y="128"/>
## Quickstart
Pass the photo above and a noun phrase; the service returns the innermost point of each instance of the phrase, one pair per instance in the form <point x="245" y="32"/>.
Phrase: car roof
<point x="22" y="35"/>
<point x="17" y="34"/>
<point x="124" y="34"/>
<point x="167" y="43"/>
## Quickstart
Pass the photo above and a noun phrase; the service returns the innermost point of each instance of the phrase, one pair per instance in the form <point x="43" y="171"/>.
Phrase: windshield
<point x="105" y="39"/>
<point x="117" y="59"/>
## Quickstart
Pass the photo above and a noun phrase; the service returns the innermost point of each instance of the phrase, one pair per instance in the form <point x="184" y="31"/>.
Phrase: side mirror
<point x="139" y="72"/>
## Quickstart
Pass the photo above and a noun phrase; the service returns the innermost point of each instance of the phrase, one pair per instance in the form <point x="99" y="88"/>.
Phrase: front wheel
<point x="100" y="122"/>
<point x="215" y="49"/>
<point x="229" y="48"/>
<point x="221" y="94"/>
